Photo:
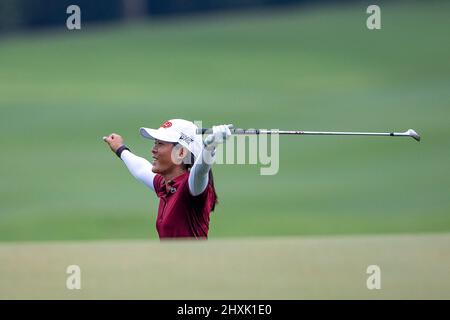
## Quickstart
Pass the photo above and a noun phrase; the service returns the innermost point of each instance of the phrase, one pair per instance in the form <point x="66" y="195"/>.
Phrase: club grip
<point x="208" y="130"/>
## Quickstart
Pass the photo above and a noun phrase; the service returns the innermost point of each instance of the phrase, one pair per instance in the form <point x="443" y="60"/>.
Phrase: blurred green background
<point x="308" y="67"/>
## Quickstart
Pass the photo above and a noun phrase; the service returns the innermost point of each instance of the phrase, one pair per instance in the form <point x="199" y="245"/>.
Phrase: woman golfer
<point x="180" y="174"/>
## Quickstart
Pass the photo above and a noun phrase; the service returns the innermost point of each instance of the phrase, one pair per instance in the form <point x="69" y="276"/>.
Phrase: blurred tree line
<point x="16" y="14"/>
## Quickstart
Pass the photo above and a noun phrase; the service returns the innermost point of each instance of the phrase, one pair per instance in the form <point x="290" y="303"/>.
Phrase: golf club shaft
<point x="301" y="132"/>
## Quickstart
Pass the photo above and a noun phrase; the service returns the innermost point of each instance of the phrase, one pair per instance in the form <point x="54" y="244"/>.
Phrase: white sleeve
<point x="139" y="167"/>
<point x="199" y="175"/>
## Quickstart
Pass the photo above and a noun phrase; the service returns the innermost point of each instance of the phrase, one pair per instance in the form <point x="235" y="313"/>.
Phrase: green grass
<point x="412" y="267"/>
<point x="306" y="68"/>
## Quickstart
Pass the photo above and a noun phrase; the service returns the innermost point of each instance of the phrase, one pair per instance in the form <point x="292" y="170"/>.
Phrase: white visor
<point x="177" y="130"/>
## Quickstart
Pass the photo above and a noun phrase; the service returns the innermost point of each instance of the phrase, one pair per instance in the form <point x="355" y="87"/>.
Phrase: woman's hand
<point x="114" y="141"/>
<point x="220" y="134"/>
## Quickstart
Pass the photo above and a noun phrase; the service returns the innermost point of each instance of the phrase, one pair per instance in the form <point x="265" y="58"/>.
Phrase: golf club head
<point x="413" y="134"/>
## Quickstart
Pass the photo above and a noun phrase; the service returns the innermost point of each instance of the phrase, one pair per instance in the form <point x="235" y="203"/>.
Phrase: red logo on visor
<point x="166" y="124"/>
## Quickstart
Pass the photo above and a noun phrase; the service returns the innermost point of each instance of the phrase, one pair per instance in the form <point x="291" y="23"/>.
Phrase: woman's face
<point x="165" y="155"/>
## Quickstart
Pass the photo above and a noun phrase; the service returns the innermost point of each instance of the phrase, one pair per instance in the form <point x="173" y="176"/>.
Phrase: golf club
<point x="409" y="133"/>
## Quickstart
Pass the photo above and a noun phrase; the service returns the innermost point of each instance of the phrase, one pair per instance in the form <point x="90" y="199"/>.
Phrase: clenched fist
<point x="114" y="141"/>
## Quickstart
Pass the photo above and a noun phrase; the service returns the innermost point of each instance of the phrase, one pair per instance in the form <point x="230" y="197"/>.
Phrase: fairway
<point x="412" y="267"/>
<point x="334" y="206"/>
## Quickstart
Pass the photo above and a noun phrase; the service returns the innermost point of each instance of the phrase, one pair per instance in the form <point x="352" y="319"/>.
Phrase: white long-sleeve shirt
<point x="141" y="169"/>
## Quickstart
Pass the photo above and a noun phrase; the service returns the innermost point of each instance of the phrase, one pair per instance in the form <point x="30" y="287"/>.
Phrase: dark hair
<point x="211" y="180"/>
<point x="188" y="165"/>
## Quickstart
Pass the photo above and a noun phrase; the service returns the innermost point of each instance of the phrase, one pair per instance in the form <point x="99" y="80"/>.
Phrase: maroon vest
<point x="180" y="214"/>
